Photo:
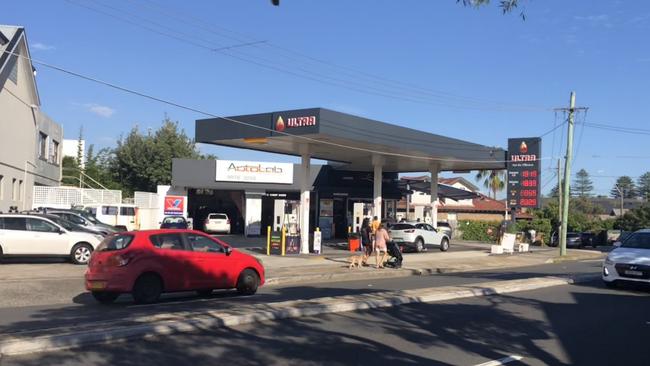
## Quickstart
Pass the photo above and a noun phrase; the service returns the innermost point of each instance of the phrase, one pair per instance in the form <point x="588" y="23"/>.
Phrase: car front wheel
<point x="248" y="282"/>
<point x="444" y="245"/>
<point x="80" y="253"/>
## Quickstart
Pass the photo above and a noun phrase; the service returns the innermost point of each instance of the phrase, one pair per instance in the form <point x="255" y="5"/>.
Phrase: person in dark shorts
<point x="366" y="240"/>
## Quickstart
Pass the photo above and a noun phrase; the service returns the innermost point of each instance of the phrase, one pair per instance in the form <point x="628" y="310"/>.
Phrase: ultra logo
<point x="293" y="122"/>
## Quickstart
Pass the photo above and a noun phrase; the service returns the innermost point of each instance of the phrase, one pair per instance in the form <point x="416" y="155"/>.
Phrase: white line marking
<point x="502" y="361"/>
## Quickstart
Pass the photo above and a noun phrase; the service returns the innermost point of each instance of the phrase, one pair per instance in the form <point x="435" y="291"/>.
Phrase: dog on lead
<point x="356" y="261"/>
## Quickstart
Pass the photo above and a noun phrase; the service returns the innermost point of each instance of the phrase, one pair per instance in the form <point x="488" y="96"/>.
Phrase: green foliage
<point x="540" y="225"/>
<point x="625" y="185"/>
<point x="507" y="6"/>
<point x="70" y="170"/>
<point x="479" y="230"/>
<point x="493" y="180"/>
<point x="643" y="186"/>
<point x="582" y="186"/>
<point x="582" y="214"/>
<point x="635" y="219"/>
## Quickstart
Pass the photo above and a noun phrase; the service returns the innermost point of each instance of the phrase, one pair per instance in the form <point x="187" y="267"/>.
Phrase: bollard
<point x="284" y="239"/>
<point x="268" y="240"/>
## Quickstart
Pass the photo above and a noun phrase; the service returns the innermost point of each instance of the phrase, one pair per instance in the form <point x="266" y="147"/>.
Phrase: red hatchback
<point x="150" y="262"/>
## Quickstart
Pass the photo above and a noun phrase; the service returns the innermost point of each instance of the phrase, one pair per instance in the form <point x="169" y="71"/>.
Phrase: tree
<point x="555" y="190"/>
<point x="635" y="219"/>
<point x="80" y="148"/>
<point x="625" y="185"/>
<point x="643" y="186"/>
<point x="507" y="6"/>
<point x="143" y="161"/>
<point x="493" y="180"/>
<point x="582" y="185"/>
<point x="70" y="170"/>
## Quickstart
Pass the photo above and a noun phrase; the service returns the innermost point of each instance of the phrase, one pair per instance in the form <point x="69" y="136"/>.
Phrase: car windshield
<point x="638" y="241"/>
<point x="173" y="220"/>
<point x="217" y="216"/>
<point x="572" y="235"/>
<point x="68" y="225"/>
<point x="402" y="227"/>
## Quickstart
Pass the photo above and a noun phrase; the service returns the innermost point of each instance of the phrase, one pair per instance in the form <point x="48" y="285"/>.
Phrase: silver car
<point x="417" y="235"/>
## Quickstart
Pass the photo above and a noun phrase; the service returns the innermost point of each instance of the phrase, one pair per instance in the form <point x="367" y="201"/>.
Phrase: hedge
<point x="479" y="230"/>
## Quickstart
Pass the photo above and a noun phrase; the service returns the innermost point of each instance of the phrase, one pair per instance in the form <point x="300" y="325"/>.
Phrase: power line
<point x="300" y="72"/>
<point x="634" y="131"/>
<point x="210" y="27"/>
<point x="196" y="110"/>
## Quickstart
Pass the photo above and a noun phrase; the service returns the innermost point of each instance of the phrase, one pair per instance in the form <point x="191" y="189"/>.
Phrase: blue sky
<point x="474" y="69"/>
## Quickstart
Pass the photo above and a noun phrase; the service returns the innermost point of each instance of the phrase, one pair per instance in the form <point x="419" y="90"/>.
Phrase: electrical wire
<point x="210" y="27"/>
<point x="196" y="110"/>
<point x="630" y="130"/>
<point x="266" y="63"/>
<point x="582" y="131"/>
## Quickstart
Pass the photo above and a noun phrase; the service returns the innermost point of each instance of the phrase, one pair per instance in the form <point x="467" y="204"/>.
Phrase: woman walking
<point x="381" y="238"/>
<point x="366" y="240"/>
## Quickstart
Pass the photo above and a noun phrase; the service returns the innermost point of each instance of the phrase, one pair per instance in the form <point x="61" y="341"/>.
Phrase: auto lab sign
<point x="254" y="172"/>
<point x="524" y="172"/>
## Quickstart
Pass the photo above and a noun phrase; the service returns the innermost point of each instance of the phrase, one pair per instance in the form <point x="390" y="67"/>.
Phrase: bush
<point x="541" y="226"/>
<point x="479" y="231"/>
<point x="638" y="218"/>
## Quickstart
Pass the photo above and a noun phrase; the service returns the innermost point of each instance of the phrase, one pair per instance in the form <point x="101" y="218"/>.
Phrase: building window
<point x="42" y="146"/>
<point x="20" y="190"/>
<point x="2" y="187"/>
<point x="54" y="152"/>
<point x="13" y="189"/>
<point x="13" y="73"/>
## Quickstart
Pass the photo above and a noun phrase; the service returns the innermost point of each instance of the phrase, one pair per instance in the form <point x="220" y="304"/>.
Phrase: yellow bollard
<point x="268" y="240"/>
<point x="284" y="240"/>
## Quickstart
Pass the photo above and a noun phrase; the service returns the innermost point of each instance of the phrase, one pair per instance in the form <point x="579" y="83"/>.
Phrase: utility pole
<point x="567" y="171"/>
<point x="621" y="194"/>
<point x="559" y="193"/>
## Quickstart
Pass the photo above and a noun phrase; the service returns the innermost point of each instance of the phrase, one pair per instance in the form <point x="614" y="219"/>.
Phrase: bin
<point x="354" y="242"/>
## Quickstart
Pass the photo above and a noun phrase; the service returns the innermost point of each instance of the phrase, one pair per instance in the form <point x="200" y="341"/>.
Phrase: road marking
<point x="502" y="361"/>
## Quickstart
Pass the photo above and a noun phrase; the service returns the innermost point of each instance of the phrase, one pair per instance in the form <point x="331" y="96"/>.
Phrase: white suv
<point x="629" y="261"/>
<point x="417" y="234"/>
<point x="217" y="223"/>
<point x="32" y="235"/>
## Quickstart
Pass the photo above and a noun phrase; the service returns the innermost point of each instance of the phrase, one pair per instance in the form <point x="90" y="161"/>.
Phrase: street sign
<point x="524" y="172"/>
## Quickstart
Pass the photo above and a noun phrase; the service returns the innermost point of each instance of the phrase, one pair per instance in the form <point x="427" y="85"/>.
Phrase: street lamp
<point x="25" y="182"/>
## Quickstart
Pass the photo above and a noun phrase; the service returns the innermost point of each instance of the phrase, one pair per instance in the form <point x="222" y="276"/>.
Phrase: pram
<point x="395" y="260"/>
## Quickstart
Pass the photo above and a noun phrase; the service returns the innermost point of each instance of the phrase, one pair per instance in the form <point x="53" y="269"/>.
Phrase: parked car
<point x="149" y="262"/>
<point x="588" y="239"/>
<point x="573" y="240"/>
<point x="217" y="223"/>
<point x="78" y="217"/>
<point x="174" y="222"/>
<point x="38" y="235"/>
<point x="416" y="235"/>
<point x="629" y="261"/>
<point x="445" y="228"/>
<point x="122" y="215"/>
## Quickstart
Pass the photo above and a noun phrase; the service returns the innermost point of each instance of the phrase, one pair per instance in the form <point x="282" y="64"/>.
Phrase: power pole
<point x="567" y="172"/>
<point x="559" y="193"/>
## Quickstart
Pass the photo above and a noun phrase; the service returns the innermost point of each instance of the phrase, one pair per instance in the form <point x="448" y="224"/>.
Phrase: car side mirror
<point x="61" y="231"/>
<point x="228" y="250"/>
<point x="617" y="244"/>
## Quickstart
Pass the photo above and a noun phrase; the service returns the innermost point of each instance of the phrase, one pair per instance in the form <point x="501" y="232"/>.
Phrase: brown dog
<point x="355" y="261"/>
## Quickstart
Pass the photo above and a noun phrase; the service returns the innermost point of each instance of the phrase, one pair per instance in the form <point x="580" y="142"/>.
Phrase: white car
<point x="32" y="235"/>
<point x="629" y="261"/>
<point x="418" y="234"/>
<point x="217" y="223"/>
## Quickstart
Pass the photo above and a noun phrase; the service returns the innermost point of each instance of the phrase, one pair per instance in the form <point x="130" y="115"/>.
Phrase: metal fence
<point x="66" y="197"/>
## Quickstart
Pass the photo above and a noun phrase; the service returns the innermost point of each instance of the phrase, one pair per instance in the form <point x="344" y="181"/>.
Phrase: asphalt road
<point x="584" y="324"/>
<point x="82" y="308"/>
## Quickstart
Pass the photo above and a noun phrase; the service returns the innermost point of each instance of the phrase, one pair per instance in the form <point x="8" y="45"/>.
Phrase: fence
<point x="66" y="197"/>
<point x="148" y="209"/>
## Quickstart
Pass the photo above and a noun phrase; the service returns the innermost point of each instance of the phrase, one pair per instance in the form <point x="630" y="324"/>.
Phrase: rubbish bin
<point x="354" y="242"/>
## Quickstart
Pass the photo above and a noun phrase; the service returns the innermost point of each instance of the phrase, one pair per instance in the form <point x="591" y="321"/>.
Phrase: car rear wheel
<point x="1" y="254"/>
<point x="80" y="253"/>
<point x="248" y="282"/>
<point x="105" y="297"/>
<point x="610" y="284"/>
<point x="419" y="245"/>
<point x="147" y="289"/>
<point x="444" y="245"/>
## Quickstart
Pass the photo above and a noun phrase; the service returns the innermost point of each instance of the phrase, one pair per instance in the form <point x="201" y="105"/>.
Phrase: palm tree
<point x="493" y="180"/>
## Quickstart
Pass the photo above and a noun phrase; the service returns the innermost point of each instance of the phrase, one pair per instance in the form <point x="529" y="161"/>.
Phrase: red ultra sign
<point x="174" y="205"/>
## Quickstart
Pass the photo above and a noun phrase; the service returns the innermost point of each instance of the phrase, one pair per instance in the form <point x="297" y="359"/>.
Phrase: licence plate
<point x="633" y="273"/>
<point x="97" y="285"/>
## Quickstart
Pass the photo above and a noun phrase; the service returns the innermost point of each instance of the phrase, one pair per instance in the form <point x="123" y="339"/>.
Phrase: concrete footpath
<point x="334" y="267"/>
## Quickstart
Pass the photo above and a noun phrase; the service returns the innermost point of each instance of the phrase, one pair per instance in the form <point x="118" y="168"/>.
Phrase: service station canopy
<point x="350" y="140"/>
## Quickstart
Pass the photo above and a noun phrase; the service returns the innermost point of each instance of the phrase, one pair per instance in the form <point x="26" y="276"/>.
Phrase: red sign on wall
<point x="174" y="205"/>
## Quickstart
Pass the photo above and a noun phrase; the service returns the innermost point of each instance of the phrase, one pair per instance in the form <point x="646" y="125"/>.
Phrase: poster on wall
<point x="253" y="216"/>
<point x="327" y="207"/>
<point x="174" y="205"/>
<point x="325" y="224"/>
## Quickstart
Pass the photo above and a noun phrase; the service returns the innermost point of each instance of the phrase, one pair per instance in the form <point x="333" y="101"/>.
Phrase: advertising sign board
<point x="254" y="172"/>
<point x="174" y="205"/>
<point x="524" y="172"/>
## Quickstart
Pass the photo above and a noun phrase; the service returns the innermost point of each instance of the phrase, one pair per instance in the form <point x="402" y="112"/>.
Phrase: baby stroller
<point x="395" y="260"/>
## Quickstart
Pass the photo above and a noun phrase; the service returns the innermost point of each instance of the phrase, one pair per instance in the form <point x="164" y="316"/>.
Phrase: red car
<point x="150" y="262"/>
